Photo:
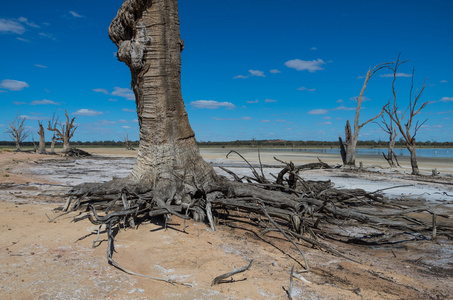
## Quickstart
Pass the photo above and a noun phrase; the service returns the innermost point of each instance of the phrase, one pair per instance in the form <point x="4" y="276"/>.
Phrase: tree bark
<point x="42" y="141"/>
<point x="351" y="142"/>
<point x="148" y="39"/>
<point x="412" y="149"/>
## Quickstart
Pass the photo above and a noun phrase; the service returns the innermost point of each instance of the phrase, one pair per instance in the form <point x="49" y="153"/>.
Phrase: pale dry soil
<point x="55" y="260"/>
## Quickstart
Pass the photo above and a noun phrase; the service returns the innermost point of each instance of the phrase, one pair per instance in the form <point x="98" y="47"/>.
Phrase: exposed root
<point x="295" y="207"/>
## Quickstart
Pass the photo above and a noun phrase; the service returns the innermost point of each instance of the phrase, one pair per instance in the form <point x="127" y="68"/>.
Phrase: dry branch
<point x="219" y="278"/>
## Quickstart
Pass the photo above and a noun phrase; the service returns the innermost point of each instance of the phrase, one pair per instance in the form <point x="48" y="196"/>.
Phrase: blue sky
<point x="286" y="69"/>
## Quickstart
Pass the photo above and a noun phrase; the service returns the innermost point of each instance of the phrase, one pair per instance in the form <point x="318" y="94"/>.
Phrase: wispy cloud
<point x="123" y="92"/>
<point x="87" y="112"/>
<point x="44" y="102"/>
<point x="444" y="81"/>
<point x="270" y="100"/>
<point x="11" y="26"/>
<point x="103" y="91"/>
<point x="446" y="99"/>
<point x="211" y="104"/>
<point x="308" y="65"/>
<point x="302" y="88"/>
<point x="265" y="121"/>
<point x="13" y="85"/>
<point x="246" y="118"/>
<point x="19" y="103"/>
<point x="253" y="101"/>
<point x="47" y="35"/>
<point x="23" y="40"/>
<point x="75" y="15"/>
<point x="113" y="100"/>
<point x="342" y="107"/>
<point x="313" y="48"/>
<point x="396" y="75"/>
<point x="40" y="66"/>
<point x="324" y="123"/>
<point x="318" y="111"/>
<point x="25" y="20"/>
<point x="256" y="73"/>
<point x="274" y="71"/>
<point x="33" y="118"/>
<point x="128" y="110"/>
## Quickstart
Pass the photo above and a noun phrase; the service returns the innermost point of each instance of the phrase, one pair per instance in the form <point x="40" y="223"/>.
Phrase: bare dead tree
<point x="171" y="178"/>
<point x="42" y="141"/>
<point x="392" y="131"/>
<point x="351" y="137"/>
<point x="127" y="143"/>
<point x="404" y="120"/>
<point x="17" y="131"/>
<point x="53" y="123"/>
<point x="65" y="132"/>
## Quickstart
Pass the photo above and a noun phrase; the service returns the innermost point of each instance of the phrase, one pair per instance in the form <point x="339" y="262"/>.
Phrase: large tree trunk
<point x="52" y="145"/>
<point x="414" y="163"/>
<point x="148" y="39"/>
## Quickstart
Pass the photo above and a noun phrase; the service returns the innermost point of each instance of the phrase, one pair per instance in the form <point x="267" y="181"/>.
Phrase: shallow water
<point x="421" y="152"/>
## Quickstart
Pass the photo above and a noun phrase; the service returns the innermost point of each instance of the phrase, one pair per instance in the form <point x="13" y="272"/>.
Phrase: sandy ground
<point x="55" y="260"/>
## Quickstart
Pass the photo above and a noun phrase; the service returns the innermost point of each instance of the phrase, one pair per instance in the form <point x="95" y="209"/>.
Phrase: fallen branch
<point x="219" y="278"/>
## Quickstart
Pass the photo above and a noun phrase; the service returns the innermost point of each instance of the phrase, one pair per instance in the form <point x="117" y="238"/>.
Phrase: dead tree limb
<point x="219" y="278"/>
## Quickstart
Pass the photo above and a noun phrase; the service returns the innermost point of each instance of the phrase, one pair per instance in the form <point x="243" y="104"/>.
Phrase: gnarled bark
<point x="42" y="141"/>
<point x="148" y="39"/>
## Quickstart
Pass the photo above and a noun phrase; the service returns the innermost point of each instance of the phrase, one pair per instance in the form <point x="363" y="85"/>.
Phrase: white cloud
<point x="25" y="20"/>
<point x="240" y="76"/>
<point x="10" y="26"/>
<point x="327" y="118"/>
<point x="246" y="118"/>
<point x="30" y="117"/>
<point x="13" y="85"/>
<point x="40" y="66"/>
<point x="280" y="120"/>
<point x="224" y="119"/>
<point x="265" y="121"/>
<point x="47" y="35"/>
<point x="324" y="123"/>
<point x="124" y="92"/>
<point x="340" y="101"/>
<point x="313" y="48"/>
<point x="23" y="40"/>
<point x="253" y="101"/>
<point x="18" y="103"/>
<point x="274" y="71"/>
<point x="211" y="104"/>
<point x="128" y="110"/>
<point x="43" y="102"/>
<point x="301" y="65"/>
<point x="126" y="127"/>
<point x="104" y="91"/>
<point x="443" y="81"/>
<point x="269" y="100"/>
<point x="75" y="15"/>
<point x="87" y="112"/>
<point x="257" y="73"/>
<point x="306" y="89"/>
<point x="397" y="75"/>
<point x="123" y="121"/>
<point x="113" y="100"/>
<point x="342" y="107"/>
<point x="446" y="99"/>
<point x="318" y="111"/>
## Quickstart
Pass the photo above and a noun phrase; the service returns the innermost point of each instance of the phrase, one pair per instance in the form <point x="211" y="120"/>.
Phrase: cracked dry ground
<point x="42" y="260"/>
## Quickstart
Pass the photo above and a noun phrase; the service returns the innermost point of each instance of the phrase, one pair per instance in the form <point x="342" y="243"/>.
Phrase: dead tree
<point x="404" y="120"/>
<point x="52" y="124"/>
<point x="127" y="143"/>
<point x="171" y="178"/>
<point x="65" y="132"/>
<point x="351" y="137"/>
<point x="42" y="141"/>
<point x="17" y="131"/>
<point x="392" y="131"/>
